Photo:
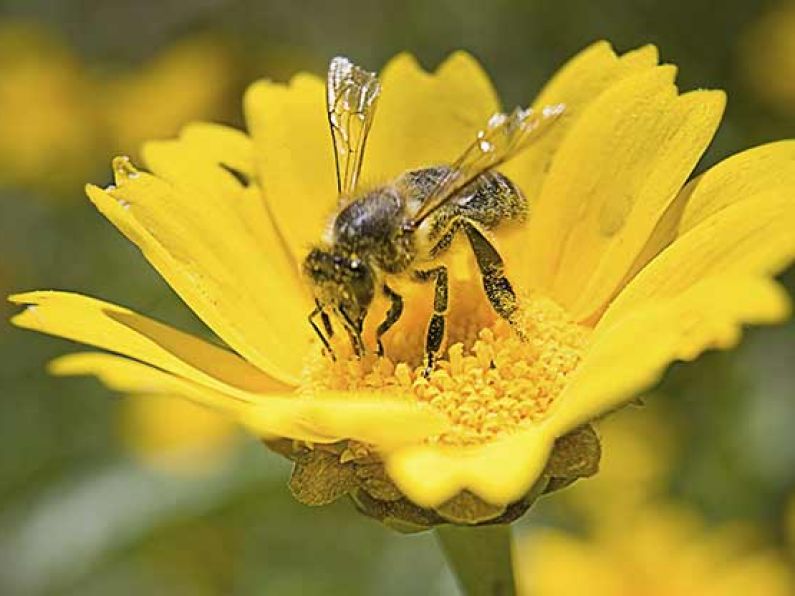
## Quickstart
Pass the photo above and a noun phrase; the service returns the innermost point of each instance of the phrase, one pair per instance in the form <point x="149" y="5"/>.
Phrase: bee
<point x="403" y="227"/>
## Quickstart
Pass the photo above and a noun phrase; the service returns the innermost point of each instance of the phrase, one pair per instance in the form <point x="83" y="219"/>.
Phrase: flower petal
<point x="118" y="329"/>
<point x="768" y="168"/>
<point x="738" y="217"/>
<point x="611" y="181"/>
<point x="383" y="422"/>
<point x="499" y="473"/>
<point x="426" y="119"/>
<point x="326" y="418"/>
<point x="708" y="315"/>
<point x="294" y="157"/>
<point x="190" y="165"/>
<point x="214" y="250"/>
<point x="220" y="144"/>
<point x="577" y="84"/>
<point x="752" y="237"/>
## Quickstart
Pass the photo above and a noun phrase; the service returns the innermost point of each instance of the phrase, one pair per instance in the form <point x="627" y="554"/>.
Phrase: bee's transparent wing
<point x="505" y="135"/>
<point x="351" y="97"/>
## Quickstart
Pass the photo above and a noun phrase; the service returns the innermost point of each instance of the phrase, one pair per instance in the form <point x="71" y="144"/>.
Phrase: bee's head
<point x="341" y="282"/>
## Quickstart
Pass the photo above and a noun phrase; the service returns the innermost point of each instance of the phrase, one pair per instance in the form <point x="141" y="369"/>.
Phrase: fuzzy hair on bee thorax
<point x="373" y="228"/>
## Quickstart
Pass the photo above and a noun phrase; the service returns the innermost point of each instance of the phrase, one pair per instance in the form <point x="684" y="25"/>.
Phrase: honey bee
<point x="402" y="228"/>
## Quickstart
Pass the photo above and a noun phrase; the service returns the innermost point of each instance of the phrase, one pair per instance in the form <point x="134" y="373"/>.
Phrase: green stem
<point x="480" y="557"/>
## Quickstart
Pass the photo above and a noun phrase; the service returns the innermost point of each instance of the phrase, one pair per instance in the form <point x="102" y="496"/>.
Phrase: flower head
<point x="622" y="267"/>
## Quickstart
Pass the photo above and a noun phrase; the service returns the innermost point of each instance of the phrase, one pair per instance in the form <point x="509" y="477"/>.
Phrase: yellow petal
<point x="190" y="165"/>
<point x="765" y="169"/>
<point x="612" y="179"/>
<point x="325" y="418"/>
<point x="753" y="236"/>
<point x="294" y="158"/>
<point x="499" y="473"/>
<point x="386" y="423"/>
<point x="220" y="144"/>
<point x="578" y="83"/>
<point x="136" y="378"/>
<point x="115" y="328"/>
<point x="426" y="119"/>
<point x="708" y="315"/>
<point x="768" y="168"/>
<point x="219" y="259"/>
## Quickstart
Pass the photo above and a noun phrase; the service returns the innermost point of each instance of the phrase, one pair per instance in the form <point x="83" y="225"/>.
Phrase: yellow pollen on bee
<point x="488" y="383"/>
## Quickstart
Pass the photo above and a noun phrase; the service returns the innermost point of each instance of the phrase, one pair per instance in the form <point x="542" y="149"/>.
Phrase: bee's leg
<point x="497" y="287"/>
<point x="392" y="315"/>
<point x="354" y="333"/>
<point x="327" y="325"/>
<point x="436" y="326"/>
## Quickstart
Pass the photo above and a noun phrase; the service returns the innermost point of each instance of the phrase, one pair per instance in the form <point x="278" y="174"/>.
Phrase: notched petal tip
<point x="123" y="169"/>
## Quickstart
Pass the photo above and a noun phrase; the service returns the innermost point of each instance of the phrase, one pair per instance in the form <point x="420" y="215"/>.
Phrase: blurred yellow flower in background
<point x="657" y="550"/>
<point x="59" y="118"/>
<point x="191" y="80"/>
<point x="636" y="541"/>
<point x="767" y="56"/>
<point x="639" y="447"/>
<point x="49" y="131"/>
<point x="174" y="435"/>
<point x="625" y="267"/>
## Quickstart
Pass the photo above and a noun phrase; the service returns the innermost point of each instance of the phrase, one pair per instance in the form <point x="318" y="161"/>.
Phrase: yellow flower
<point x="170" y="434"/>
<point x="639" y="449"/>
<point x="188" y="81"/>
<point x="56" y="118"/>
<point x="624" y="267"/>
<point x="767" y="56"/>
<point x="657" y="550"/>
<point x="636" y="543"/>
<point x="48" y="130"/>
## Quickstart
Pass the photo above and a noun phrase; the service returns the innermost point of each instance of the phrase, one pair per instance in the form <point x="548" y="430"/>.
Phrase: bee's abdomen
<point x="491" y="199"/>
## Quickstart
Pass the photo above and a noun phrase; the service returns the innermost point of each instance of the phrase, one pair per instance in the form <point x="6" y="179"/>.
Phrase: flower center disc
<point x="488" y="383"/>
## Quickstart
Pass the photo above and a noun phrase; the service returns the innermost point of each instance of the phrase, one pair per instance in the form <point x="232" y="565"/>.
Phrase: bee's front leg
<point x="354" y="329"/>
<point x="326" y="324"/>
<point x="437" y="324"/>
<point x="392" y="316"/>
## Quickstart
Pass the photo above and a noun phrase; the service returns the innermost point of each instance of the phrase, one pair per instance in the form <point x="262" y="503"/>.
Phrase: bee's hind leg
<point x="437" y="324"/>
<point x="392" y="316"/>
<point x="497" y="287"/>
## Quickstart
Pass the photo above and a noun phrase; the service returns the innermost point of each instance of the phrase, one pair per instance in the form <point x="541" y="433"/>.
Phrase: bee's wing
<point x="351" y="97"/>
<point x="505" y="135"/>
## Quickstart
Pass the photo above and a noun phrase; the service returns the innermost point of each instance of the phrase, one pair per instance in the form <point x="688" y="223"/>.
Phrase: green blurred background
<point x="93" y="499"/>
